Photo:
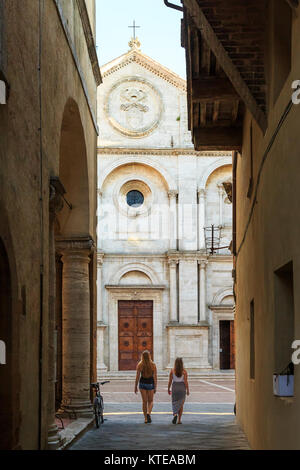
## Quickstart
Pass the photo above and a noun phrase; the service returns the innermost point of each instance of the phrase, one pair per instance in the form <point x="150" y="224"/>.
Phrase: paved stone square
<point x="208" y="421"/>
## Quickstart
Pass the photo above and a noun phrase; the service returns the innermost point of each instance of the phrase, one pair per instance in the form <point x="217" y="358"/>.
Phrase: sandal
<point x="149" y="418"/>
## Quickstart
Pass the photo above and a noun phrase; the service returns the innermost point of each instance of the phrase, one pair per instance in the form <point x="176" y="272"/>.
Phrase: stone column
<point x="99" y="208"/>
<point x="101" y="367"/>
<point x="221" y="192"/>
<point x="76" y="348"/>
<point x="173" y="290"/>
<point x="173" y="219"/>
<point x="55" y="205"/>
<point x="202" y="289"/>
<point x="201" y="218"/>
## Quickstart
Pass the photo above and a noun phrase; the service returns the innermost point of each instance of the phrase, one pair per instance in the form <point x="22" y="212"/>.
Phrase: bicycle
<point x="98" y="403"/>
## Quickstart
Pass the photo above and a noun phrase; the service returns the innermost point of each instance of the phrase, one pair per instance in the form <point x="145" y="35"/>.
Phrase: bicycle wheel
<point x="101" y="409"/>
<point x="96" y="412"/>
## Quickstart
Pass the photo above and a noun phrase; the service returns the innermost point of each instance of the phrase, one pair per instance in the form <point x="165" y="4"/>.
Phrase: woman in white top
<point x="180" y="388"/>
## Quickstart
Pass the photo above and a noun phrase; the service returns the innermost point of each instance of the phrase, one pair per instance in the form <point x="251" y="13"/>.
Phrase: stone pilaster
<point x="173" y="221"/>
<point x="100" y="257"/>
<point x="55" y="205"/>
<point x="202" y="289"/>
<point x="173" y="290"/>
<point x="101" y="327"/>
<point x="221" y="193"/>
<point x="76" y="350"/>
<point x="99" y="209"/>
<point x="201" y="218"/>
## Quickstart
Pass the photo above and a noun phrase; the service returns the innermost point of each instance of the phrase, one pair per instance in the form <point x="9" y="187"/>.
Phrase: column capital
<point x="173" y="262"/>
<point x="172" y="193"/>
<point x="100" y="258"/>
<point x="202" y="263"/>
<point x="220" y="188"/>
<point x="202" y="192"/>
<point x="173" y="257"/>
<point x="70" y="245"/>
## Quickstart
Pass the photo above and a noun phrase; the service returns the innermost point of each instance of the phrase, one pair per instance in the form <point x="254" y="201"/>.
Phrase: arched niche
<point x="134" y="278"/>
<point x="141" y="160"/>
<point x="215" y="191"/>
<point x="140" y="268"/>
<point x="73" y="173"/>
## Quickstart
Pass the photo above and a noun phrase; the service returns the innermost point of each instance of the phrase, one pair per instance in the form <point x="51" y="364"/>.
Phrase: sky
<point x="159" y="33"/>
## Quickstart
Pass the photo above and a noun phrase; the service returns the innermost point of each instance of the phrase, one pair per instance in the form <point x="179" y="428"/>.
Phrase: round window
<point x="135" y="198"/>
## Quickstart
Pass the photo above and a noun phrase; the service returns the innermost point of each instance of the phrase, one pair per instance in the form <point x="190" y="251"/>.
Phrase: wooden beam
<point x="226" y="63"/>
<point x="203" y="114"/>
<point x="218" y="138"/>
<point x="216" y="111"/>
<point x="195" y="53"/>
<point x="235" y="110"/>
<point x="213" y="89"/>
<point x="294" y="5"/>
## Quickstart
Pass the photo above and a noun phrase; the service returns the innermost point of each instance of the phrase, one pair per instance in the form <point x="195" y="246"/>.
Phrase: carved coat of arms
<point x="133" y="104"/>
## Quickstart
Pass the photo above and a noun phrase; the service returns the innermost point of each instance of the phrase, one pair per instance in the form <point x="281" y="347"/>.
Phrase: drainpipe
<point x="172" y="5"/>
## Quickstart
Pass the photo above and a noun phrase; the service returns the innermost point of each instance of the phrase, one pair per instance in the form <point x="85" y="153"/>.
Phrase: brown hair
<point x="146" y="364"/>
<point x="178" y="367"/>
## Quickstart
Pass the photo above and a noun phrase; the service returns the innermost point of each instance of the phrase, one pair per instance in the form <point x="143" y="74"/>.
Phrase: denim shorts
<point x="146" y="386"/>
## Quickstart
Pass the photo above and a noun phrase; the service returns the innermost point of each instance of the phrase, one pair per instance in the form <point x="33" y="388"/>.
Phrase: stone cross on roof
<point x="134" y="27"/>
<point x="134" y="43"/>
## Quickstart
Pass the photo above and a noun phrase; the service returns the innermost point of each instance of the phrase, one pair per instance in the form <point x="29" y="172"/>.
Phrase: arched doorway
<point x="6" y="369"/>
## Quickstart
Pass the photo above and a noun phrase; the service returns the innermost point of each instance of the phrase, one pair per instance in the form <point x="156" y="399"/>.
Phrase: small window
<point x="135" y="198"/>
<point x="284" y="316"/>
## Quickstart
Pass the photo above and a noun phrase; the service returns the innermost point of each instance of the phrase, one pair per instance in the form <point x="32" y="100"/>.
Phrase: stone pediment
<point x="135" y="55"/>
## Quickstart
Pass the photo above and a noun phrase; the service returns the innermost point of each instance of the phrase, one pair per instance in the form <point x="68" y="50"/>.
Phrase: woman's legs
<point x="145" y="400"/>
<point x="180" y="413"/>
<point x="150" y="394"/>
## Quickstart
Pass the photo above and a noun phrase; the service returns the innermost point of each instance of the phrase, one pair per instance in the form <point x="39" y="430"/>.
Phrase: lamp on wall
<point x="212" y="239"/>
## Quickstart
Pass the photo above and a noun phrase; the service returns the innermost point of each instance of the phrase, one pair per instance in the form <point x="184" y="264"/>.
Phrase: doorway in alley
<point x="227" y="346"/>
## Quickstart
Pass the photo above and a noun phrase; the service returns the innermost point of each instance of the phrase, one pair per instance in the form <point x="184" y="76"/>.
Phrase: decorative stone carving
<point x="134" y="44"/>
<point x="172" y="193"/>
<point x="64" y="245"/>
<point x="134" y="107"/>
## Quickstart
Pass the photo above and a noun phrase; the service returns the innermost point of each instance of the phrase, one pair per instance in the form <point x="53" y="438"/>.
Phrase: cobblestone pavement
<point x="202" y="391"/>
<point x="208" y="421"/>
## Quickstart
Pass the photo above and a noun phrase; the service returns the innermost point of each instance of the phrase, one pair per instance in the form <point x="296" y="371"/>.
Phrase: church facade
<point x="164" y="226"/>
